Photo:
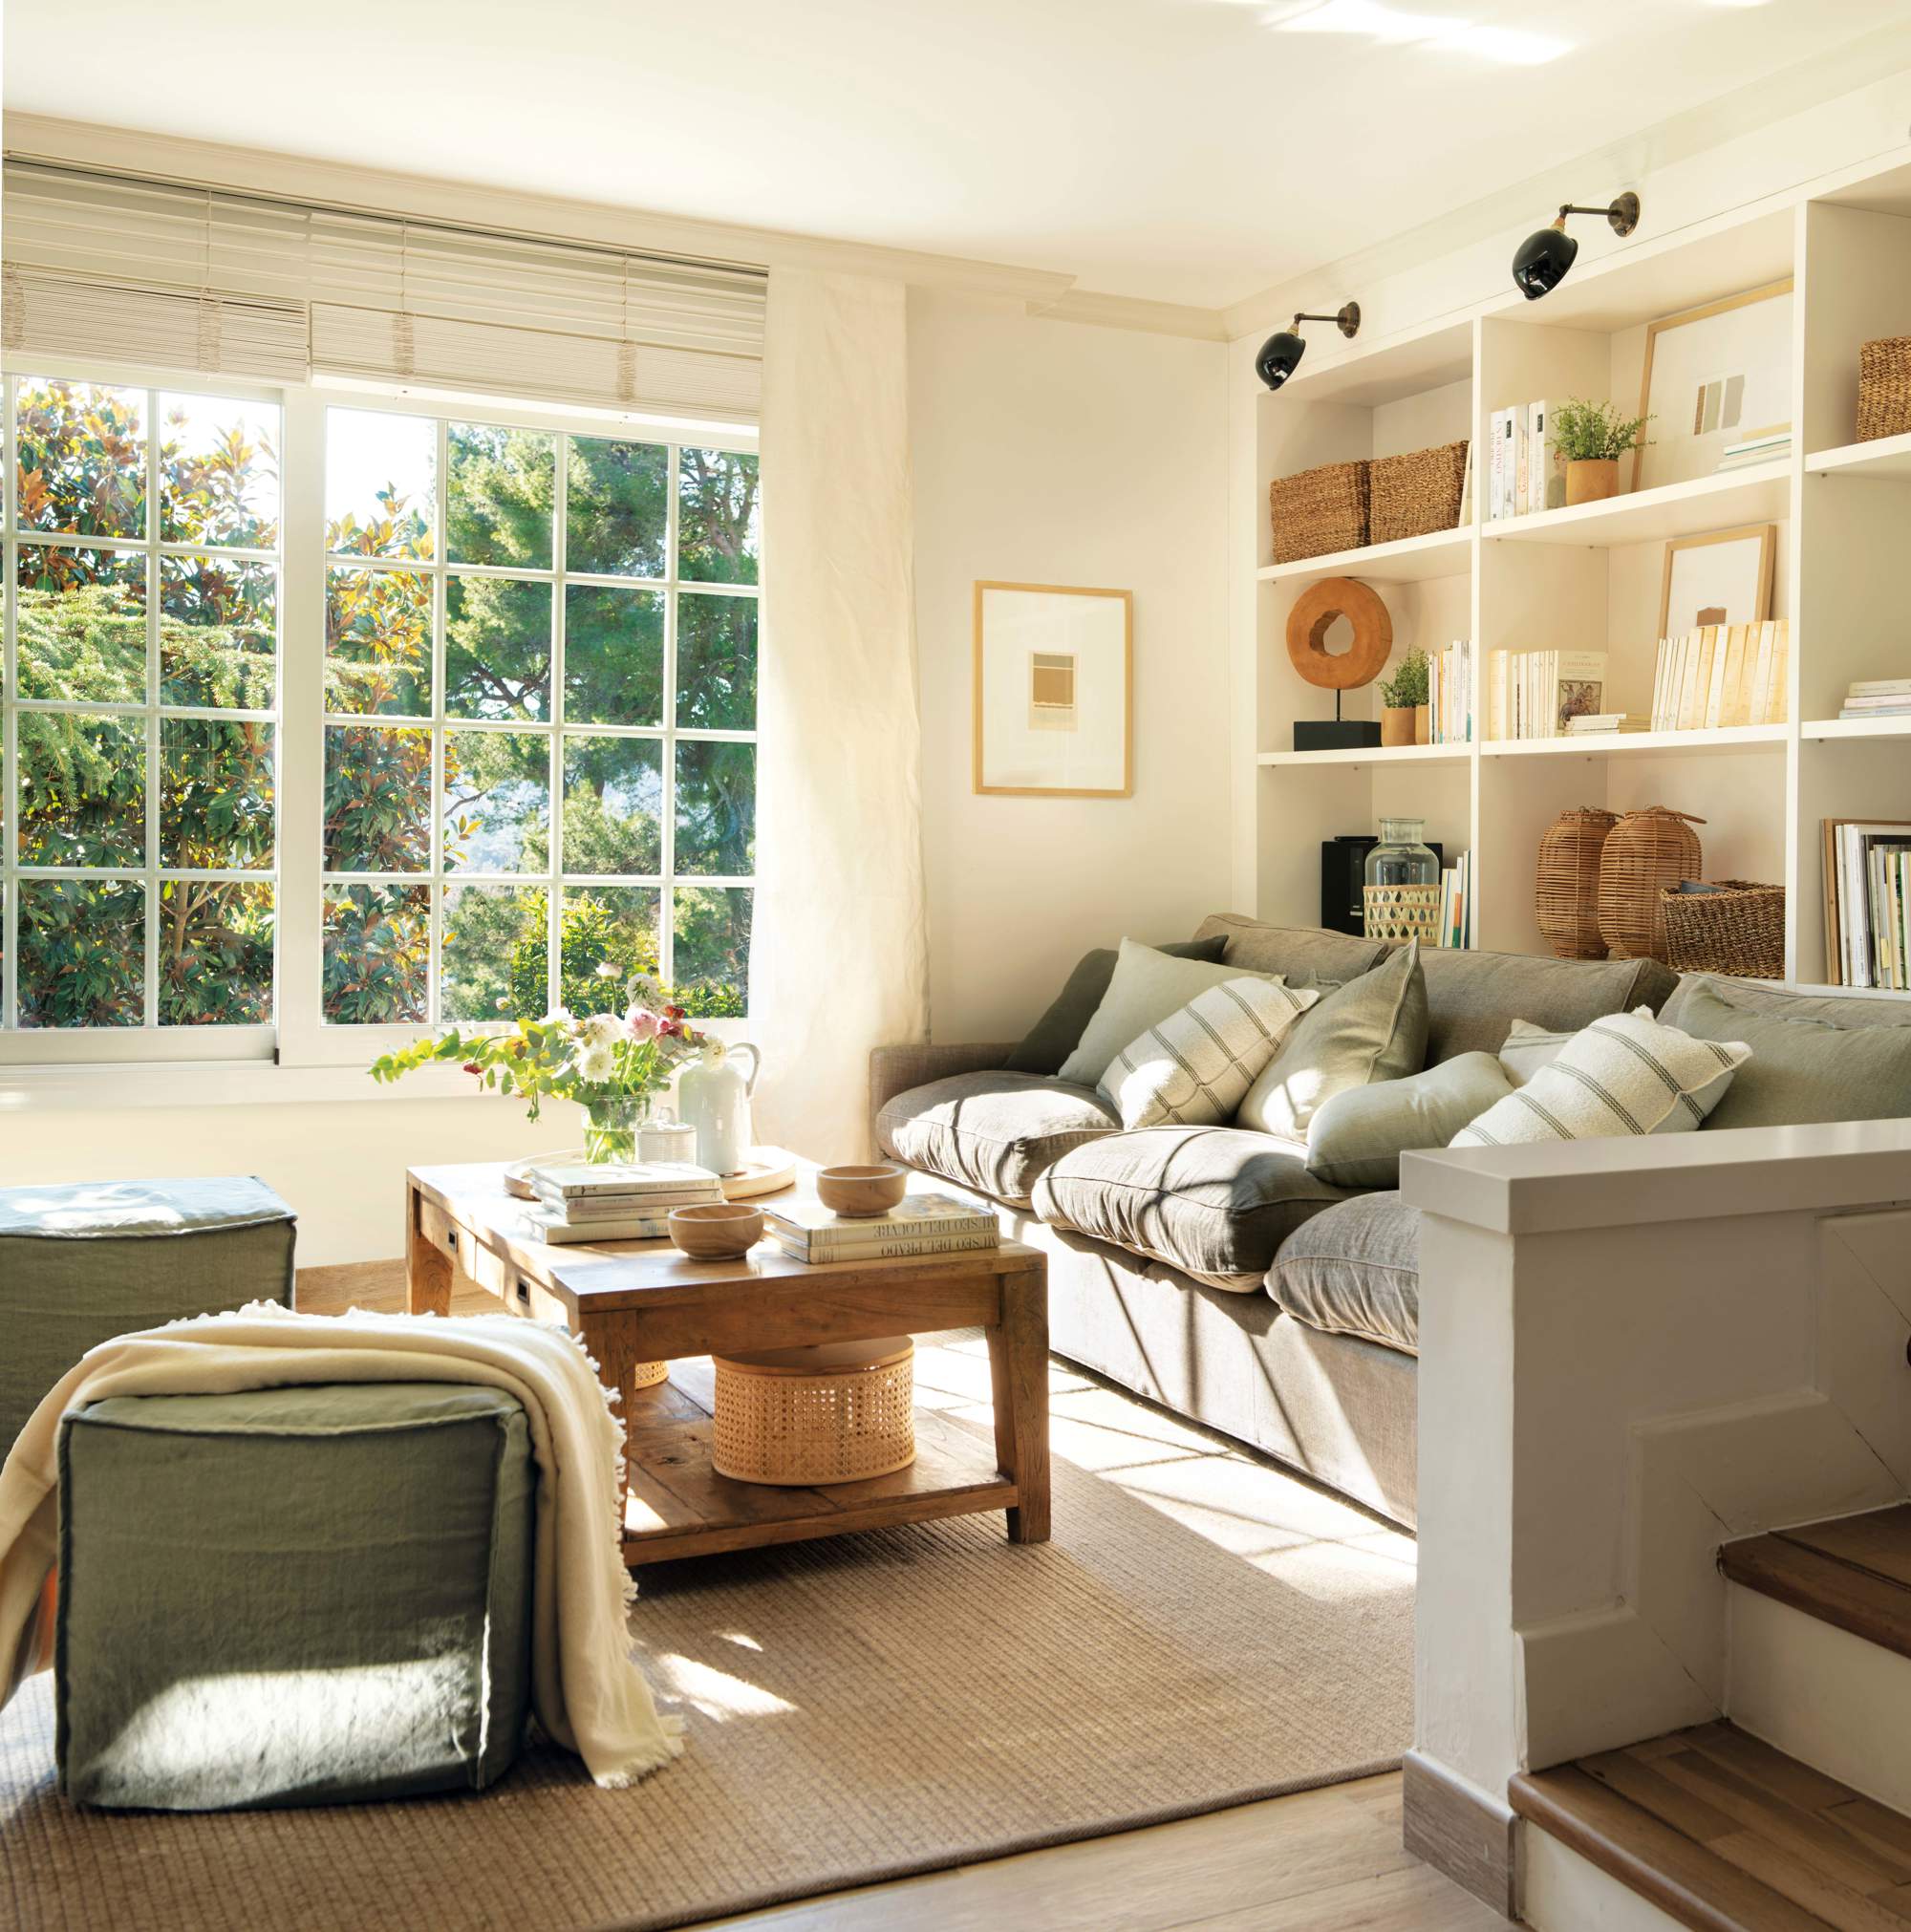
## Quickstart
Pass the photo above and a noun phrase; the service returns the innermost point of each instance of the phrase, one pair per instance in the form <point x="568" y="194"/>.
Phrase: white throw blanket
<point x="587" y="1693"/>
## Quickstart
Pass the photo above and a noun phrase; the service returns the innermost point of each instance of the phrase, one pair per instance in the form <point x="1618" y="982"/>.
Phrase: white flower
<point x="606" y="970"/>
<point x="601" y="1029"/>
<point x="596" y="1063"/>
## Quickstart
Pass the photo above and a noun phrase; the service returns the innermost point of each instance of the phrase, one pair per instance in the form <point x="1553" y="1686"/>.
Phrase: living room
<point x="1010" y="756"/>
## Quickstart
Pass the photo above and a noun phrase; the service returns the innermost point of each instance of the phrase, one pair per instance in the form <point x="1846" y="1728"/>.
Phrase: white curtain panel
<point x="839" y="959"/>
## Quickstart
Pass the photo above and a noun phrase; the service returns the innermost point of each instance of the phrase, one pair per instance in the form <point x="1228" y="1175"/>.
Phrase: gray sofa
<point x="1205" y="1268"/>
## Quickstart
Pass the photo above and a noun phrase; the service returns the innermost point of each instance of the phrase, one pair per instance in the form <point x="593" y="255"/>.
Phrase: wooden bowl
<point x="717" y="1231"/>
<point x="858" y="1193"/>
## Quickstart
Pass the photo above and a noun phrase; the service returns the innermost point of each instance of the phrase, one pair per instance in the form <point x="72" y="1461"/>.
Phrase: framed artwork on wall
<point x="1723" y="577"/>
<point x="1714" y="375"/>
<point x="1054" y="691"/>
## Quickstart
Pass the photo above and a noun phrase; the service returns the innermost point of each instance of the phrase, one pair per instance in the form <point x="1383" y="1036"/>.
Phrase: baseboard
<point x="1458" y="1830"/>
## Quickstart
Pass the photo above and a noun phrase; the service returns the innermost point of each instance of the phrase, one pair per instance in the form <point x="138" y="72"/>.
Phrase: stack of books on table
<point x="923" y="1224"/>
<point x="1867" y="894"/>
<point x="1879" y="698"/>
<point x="1762" y="445"/>
<point x="1604" y="723"/>
<point x="615" y="1202"/>
<point x="1719" y="675"/>
<point x="1537" y="694"/>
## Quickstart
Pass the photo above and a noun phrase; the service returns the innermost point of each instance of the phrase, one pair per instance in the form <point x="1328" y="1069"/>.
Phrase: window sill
<point x="77" y="1088"/>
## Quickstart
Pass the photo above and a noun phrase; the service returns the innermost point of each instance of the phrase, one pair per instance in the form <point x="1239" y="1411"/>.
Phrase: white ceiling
<point x="1187" y="150"/>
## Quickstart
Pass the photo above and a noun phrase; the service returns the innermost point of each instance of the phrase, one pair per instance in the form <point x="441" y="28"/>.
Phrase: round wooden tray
<point x="766" y="1170"/>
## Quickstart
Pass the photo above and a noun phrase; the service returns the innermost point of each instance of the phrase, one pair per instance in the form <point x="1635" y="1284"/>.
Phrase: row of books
<point x="628" y="1201"/>
<point x="804" y="1229"/>
<point x="1450" y="693"/>
<point x="1524" y="472"/>
<point x="1867" y="893"/>
<point x="1762" y="445"/>
<point x="1605" y="723"/>
<point x="1456" y="902"/>
<point x="1878" y="697"/>
<point x="1534" y="694"/>
<point x="1722" y="675"/>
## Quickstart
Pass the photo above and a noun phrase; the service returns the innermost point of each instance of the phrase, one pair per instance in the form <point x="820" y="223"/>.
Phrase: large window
<point x="142" y="704"/>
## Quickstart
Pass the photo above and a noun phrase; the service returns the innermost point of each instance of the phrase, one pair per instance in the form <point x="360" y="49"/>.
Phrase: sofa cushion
<point x="1302" y="954"/>
<point x="1358" y="1135"/>
<point x="1372" y="1029"/>
<point x="1148" y="986"/>
<point x="1355" y="1270"/>
<point x="1804" y="1065"/>
<point x="993" y="1131"/>
<point x="1194" y="1068"/>
<point x="1055" y="1036"/>
<point x="1472" y="997"/>
<point x="1214" y="1202"/>
<point x="1527" y="1048"/>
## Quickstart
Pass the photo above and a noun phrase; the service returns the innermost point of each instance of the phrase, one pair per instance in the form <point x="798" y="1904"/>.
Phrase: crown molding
<point x="1137" y="312"/>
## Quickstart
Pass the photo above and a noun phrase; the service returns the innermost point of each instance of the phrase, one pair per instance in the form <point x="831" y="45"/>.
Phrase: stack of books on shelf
<point x="1524" y="472"/>
<point x="1867" y="893"/>
<point x="923" y="1224"/>
<point x="1456" y="903"/>
<point x="1761" y="445"/>
<point x="1722" y="675"/>
<point x="1450" y="693"/>
<point x="615" y="1202"/>
<point x="1537" y="694"/>
<point x="1605" y="724"/>
<point x="1878" y="697"/>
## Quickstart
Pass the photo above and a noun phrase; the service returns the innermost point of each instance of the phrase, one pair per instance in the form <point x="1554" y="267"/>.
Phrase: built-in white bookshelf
<point x="1590" y="577"/>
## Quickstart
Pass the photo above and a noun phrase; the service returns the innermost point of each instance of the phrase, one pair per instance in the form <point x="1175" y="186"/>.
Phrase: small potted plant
<point x="1591" y="438"/>
<point x="1403" y="718"/>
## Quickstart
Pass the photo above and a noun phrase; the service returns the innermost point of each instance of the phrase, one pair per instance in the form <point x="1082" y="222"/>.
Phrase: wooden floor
<point x="1853" y="1571"/>
<point x="1328" y="1861"/>
<point x="1716" y="1828"/>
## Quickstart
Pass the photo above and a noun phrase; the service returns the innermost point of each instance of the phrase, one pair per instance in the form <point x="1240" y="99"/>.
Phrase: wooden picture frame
<point x="1767" y="535"/>
<point x="1707" y="312"/>
<point x="1047" y="680"/>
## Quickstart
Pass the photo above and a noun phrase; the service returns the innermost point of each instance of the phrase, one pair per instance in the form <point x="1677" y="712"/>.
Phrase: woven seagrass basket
<point x="1320" y="511"/>
<point x="1646" y="851"/>
<point x="781" y="1419"/>
<point x="1884" y="388"/>
<point x="1733" y="926"/>
<point x="1416" y="494"/>
<point x="1566" y="894"/>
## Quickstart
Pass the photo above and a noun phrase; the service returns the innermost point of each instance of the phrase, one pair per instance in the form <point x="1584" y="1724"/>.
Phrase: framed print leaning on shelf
<point x="1714" y="375"/>
<point x="1054" y="691"/>
<point x="1724" y="577"/>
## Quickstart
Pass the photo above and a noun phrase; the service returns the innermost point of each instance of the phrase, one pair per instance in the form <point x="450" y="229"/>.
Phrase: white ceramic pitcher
<point x="713" y="1096"/>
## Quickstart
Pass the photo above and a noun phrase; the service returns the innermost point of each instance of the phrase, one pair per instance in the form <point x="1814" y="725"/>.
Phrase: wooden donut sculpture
<point x="1314" y="613"/>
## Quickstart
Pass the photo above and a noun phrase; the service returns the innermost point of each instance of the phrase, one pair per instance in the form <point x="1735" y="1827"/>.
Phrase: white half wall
<point x="1061" y="453"/>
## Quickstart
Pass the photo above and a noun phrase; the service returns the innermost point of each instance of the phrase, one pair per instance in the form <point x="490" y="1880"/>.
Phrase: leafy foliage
<point x="1407" y="686"/>
<point x="1595" y="431"/>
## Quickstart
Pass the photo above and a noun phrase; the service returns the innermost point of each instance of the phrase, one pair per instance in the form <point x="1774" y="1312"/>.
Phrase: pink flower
<point x="644" y="1024"/>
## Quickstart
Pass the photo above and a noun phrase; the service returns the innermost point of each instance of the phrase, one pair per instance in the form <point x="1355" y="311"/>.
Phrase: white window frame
<point x="301" y="1038"/>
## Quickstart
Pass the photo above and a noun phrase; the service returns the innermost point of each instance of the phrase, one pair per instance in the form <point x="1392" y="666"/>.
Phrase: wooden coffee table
<point x="636" y="1302"/>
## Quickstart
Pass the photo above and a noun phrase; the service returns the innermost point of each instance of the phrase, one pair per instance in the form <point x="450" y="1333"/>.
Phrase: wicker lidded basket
<point x="1884" y="388"/>
<point x="1732" y="926"/>
<point x="1566" y="894"/>
<point x="1418" y="493"/>
<point x="1318" y="511"/>
<point x="1644" y="853"/>
<point x="831" y="1414"/>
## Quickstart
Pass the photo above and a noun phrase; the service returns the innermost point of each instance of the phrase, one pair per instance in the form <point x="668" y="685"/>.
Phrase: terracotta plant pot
<point x="1423" y="724"/>
<point x="1592" y="479"/>
<point x="1396" y="724"/>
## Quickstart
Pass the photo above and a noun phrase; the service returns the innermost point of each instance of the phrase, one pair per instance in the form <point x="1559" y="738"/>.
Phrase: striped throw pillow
<point x="1626" y="1074"/>
<point x="1194" y="1068"/>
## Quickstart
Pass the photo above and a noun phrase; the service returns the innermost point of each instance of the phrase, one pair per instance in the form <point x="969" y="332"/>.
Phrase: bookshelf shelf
<point x="1682" y="510"/>
<point x="1732" y="739"/>
<point x="1887" y="460"/>
<point x="1855" y="728"/>
<point x="1374" y="755"/>
<point x="1412" y="560"/>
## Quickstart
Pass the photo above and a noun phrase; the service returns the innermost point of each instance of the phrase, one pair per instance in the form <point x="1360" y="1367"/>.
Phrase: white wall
<point x="1057" y="453"/>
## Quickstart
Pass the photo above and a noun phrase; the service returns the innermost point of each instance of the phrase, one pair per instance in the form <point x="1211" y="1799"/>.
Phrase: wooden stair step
<point x="1724" y="1834"/>
<point x="1854" y="1572"/>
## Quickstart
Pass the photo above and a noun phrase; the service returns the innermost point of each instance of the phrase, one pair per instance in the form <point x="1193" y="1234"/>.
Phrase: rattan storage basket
<point x="801" y="1416"/>
<point x="1566" y="894"/>
<point x="1733" y="926"/>
<point x="1883" y="388"/>
<point x="1413" y="495"/>
<point x="1320" y="511"/>
<point x="1646" y="851"/>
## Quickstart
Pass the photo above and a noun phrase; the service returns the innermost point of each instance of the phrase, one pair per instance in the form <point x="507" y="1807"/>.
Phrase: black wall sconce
<point x="1282" y="351"/>
<point x="1544" y="256"/>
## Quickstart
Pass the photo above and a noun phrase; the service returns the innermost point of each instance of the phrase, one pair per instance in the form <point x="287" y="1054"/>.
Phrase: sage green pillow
<point x="1528" y="1048"/>
<point x="1358" y="1135"/>
<point x="1146" y="987"/>
<point x="1057" y="1034"/>
<point x="1372" y="1029"/>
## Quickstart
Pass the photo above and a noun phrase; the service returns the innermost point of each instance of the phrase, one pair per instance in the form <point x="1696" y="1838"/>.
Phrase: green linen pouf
<point x="292" y="1595"/>
<point x="79" y="1265"/>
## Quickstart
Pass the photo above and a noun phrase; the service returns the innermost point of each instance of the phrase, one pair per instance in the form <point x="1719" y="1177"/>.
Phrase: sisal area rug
<point x="1202" y="1631"/>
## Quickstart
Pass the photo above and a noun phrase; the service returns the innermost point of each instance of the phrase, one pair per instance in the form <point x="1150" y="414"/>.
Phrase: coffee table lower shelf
<point x="679" y="1505"/>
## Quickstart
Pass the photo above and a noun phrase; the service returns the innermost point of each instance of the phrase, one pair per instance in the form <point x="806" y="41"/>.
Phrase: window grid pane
<point x="139" y="888"/>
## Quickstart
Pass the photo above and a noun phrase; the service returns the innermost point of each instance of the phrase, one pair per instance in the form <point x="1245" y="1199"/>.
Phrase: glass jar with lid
<point x="1402" y="896"/>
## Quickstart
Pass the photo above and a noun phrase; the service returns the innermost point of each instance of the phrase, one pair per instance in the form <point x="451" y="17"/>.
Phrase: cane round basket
<point x="1884" y="388"/>
<point x="799" y="1416"/>
<point x="1644" y="853"/>
<point x="1566" y="894"/>
<point x="1732" y="926"/>
<point x="1320" y="511"/>
<point x="1413" y="495"/>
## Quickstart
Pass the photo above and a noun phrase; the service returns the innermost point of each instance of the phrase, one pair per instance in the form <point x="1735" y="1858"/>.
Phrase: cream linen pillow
<point x="1148" y="986"/>
<point x="1626" y="1074"/>
<point x="1528" y="1048"/>
<point x="1194" y="1067"/>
